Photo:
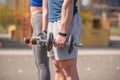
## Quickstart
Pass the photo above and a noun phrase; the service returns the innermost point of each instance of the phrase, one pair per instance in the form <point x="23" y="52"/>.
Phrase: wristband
<point x="62" y="34"/>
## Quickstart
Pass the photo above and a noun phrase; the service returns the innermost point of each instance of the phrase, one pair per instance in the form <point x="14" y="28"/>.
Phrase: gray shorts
<point x="75" y="29"/>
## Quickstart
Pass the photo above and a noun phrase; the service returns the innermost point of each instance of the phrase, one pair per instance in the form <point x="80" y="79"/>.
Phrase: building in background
<point x="114" y="3"/>
<point x="108" y="9"/>
<point x="25" y="29"/>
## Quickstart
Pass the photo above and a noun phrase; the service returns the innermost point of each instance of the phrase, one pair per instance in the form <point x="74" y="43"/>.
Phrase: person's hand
<point x="60" y="41"/>
<point x="42" y="35"/>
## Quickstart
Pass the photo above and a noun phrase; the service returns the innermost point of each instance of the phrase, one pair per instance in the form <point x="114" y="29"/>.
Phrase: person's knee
<point x="68" y="66"/>
<point x="66" y="69"/>
<point x="57" y="66"/>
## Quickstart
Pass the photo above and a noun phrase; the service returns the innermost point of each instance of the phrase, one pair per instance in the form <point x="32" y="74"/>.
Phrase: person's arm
<point x="66" y="15"/>
<point x="45" y="15"/>
<point x="66" y="18"/>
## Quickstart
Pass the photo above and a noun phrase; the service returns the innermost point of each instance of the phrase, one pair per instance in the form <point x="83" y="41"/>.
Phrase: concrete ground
<point x="93" y="64"/>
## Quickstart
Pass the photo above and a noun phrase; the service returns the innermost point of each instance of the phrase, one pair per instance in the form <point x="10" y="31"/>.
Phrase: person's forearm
<point x="45" y="15"/>
<point x="66" y="15"/>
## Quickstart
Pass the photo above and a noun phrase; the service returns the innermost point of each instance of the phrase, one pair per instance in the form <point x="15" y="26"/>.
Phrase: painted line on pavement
<point x="99" y="52"/>
<point x="6" y="52"/>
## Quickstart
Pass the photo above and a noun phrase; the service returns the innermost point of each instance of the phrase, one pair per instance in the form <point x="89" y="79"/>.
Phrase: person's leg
<point x="42" y="63"/>
<point x="58" y="72"/>
<point x="67" y="62"/>
<point x="59" y="75"/>
<point x="40" y="53"/>
<point x="65" y="69"/>
<point x="69" y="69"/>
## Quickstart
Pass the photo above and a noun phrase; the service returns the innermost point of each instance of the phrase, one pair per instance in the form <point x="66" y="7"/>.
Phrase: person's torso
<point x="54" y="9"/>
<point x="36" y="3"/>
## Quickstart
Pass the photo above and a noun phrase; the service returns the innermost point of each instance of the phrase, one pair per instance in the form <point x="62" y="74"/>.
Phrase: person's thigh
<point x="56" y="65"/>
<point x="68" y="63"/>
